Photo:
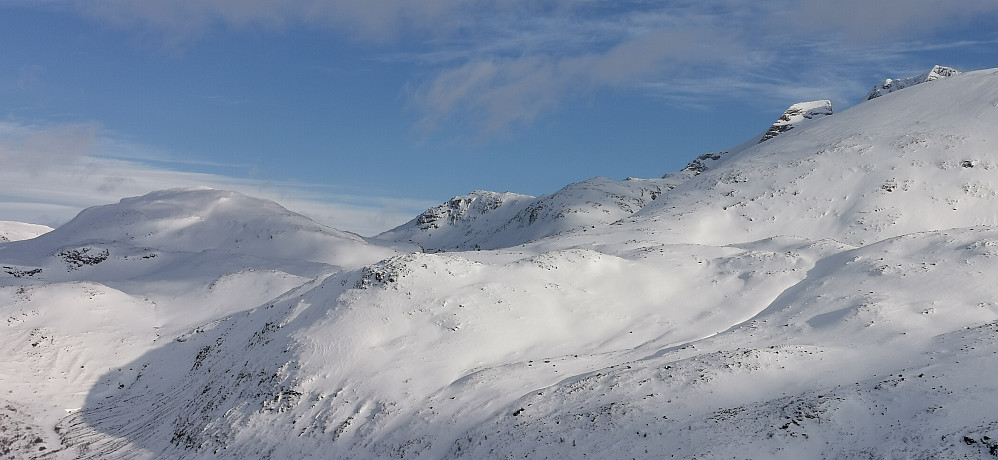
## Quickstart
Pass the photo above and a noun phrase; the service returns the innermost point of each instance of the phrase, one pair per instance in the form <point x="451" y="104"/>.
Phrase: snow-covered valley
<point x="825" y="290"/>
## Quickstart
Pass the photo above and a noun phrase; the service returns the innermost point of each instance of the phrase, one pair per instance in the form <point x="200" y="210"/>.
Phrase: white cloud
<point x="501" y="92"/>
<point x="52" y="172"/>
<point x="35" y="149"/>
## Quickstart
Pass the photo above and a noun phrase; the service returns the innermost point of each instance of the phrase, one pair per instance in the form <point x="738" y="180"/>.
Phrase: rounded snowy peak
<point x="198" y="219"/>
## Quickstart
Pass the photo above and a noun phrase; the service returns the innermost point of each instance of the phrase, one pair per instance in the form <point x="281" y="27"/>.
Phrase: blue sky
<point x="362" y="113"/>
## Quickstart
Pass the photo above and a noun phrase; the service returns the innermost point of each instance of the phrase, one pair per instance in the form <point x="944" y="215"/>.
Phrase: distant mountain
<point x="825" y="293"/>
<point x="199" y="219"/>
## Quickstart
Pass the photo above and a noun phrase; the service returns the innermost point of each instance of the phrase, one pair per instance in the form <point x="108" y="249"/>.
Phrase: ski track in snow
<point x="824" y="290"/>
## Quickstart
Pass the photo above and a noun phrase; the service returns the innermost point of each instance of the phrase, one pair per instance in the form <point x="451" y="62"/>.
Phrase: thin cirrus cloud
<point x="506" y="91"/>
<point x="181" y="21"/>
<point x="500" y="63"/>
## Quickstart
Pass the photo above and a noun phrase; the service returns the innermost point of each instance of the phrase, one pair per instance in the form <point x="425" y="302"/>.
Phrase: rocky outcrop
<point x="463" y="208"/>
<point x="797" y="113"/>
<point x="490" y="220"/>
<point x="890" y="85"/>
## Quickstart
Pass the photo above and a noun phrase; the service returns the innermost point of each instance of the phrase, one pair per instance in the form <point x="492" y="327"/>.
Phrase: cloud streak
<point x="494" y="65"/>
<point x="502" y="92"/>
<point x="705" y="51"/>
<point x="380" y="21"/>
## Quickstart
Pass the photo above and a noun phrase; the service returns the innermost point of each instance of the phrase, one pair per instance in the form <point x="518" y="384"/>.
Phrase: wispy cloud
<point x="52" y="172"/>
<point x="181" y="21"/>
<point x="500" y="92"/>
<point x="495" y="64"/>
<point x="688" y="52"/>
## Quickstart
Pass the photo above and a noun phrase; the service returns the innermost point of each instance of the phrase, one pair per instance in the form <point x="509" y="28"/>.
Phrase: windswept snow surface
<point x="827" y="293"/>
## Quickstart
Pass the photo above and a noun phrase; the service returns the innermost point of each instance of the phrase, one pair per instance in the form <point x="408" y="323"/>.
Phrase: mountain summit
<point x="200" y="219"/>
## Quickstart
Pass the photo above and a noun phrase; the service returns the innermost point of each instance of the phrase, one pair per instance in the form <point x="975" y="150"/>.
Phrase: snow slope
<point x="16" y="231"/>
<point x="826" y="293"/>
<point x="919" y="160"/>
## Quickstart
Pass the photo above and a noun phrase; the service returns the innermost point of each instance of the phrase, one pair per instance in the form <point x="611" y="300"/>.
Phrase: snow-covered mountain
<point x="826" y="293"/>
<point x="205" y="219"/>
<point x="17" y="231"/>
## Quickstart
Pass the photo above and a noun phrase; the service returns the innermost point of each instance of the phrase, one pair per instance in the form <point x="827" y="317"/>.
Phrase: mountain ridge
<point x="471" y="230"/>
